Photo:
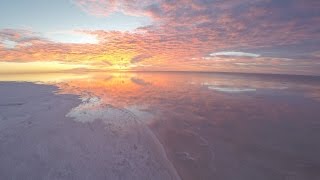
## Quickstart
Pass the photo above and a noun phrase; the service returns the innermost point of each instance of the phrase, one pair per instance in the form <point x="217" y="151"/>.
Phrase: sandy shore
<point x="38" y="141"/>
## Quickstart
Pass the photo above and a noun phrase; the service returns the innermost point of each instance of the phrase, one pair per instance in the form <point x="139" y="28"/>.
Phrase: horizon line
<point x="74" y="71"/>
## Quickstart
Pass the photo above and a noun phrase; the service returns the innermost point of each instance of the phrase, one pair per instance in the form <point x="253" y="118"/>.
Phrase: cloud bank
<point x="183" y="32"/>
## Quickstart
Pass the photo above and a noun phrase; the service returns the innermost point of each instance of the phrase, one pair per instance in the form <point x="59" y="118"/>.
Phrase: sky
<point x="255" y="36"/>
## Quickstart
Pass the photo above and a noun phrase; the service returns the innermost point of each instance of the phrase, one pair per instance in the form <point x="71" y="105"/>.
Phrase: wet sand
<point x="38" y="141"/>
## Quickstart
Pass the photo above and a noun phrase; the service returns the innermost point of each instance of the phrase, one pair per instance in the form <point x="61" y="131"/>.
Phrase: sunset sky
<point x="258" y="36"/>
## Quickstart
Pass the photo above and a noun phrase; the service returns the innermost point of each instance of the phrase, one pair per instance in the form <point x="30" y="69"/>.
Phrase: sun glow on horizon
<point x="38" y="67"/>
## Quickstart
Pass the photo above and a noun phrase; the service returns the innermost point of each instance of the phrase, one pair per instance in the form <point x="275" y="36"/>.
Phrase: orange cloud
<point x="183" y="35"/>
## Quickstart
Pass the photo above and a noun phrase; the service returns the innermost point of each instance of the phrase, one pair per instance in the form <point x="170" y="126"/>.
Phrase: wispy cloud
<point x="234" y="54"/>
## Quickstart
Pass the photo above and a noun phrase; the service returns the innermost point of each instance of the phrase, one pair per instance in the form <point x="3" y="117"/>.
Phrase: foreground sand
<point x="38" y="141"/>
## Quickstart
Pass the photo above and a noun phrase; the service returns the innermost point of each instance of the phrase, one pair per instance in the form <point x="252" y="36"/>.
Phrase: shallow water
<point x="212" y="126"/>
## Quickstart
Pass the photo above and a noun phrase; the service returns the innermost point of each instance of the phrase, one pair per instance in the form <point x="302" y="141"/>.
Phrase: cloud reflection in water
<point x="211" y="124"/>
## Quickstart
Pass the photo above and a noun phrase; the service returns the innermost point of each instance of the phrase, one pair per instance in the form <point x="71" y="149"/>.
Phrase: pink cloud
<point x="182" y="34"/>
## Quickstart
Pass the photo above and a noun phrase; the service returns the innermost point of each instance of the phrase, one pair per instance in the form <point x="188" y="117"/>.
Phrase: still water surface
<point x="212" y="126"/>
